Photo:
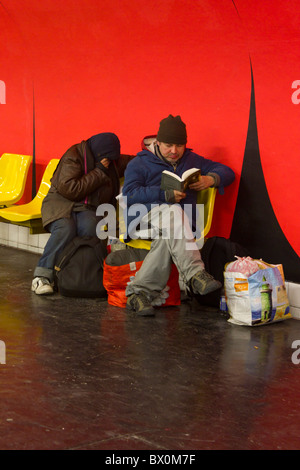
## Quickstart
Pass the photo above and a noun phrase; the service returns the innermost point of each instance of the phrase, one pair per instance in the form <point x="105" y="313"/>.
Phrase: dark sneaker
<point x="141" y="305"/>
<point x="203" y="283"/>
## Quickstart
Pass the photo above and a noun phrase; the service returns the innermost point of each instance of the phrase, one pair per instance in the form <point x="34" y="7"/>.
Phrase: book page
<point x="173" y="175"/>
<point x="189" y="172"/>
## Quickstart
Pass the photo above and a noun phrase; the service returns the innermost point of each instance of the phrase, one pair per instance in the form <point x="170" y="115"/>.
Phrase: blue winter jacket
<point x="143" y="178"/>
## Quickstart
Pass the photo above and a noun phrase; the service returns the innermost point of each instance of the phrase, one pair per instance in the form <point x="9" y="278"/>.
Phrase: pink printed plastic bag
<point x="245" y="265"/>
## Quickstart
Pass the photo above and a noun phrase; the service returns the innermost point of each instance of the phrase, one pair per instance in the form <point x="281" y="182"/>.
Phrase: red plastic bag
<point x="116" y="278"/>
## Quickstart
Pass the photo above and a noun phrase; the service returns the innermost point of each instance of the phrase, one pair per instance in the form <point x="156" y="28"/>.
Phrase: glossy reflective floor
<point x="81" y="374"/>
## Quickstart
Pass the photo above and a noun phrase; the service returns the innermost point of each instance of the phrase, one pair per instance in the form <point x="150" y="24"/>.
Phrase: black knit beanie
<point x="172" y="131"/>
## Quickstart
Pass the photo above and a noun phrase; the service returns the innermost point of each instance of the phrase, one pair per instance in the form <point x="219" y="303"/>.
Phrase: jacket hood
<point x="106" y="144"/>
<point x="148" y="143"/>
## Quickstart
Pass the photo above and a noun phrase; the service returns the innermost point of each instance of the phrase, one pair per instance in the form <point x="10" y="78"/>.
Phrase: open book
<point x="170" y="180"/>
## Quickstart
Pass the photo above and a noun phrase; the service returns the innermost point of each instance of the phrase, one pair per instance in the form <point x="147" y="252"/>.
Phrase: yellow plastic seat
<point x="13" y="175"/>
<point x="32" y="210"/>
<point x="206" y="197"/>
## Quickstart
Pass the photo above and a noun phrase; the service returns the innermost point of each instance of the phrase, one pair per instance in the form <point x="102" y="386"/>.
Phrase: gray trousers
<point x="173" y="242"/>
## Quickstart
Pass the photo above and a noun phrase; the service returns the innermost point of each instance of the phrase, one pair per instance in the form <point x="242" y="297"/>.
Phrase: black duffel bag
<point x="79" y="268"/>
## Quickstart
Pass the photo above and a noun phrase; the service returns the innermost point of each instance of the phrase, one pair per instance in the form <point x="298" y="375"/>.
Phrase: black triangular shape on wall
<point x="255" y="225"/>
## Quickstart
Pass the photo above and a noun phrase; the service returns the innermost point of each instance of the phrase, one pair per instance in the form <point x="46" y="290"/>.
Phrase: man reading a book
<point x="164" y="153"/>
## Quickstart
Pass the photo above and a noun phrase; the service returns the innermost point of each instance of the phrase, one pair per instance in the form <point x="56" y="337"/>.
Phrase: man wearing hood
<point x="86" y="176"/>
<point x="142" y="186"/>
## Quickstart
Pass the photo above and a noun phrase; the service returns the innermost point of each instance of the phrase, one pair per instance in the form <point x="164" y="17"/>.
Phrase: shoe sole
<point x="147" y="312"/>
<point x="43" y="290"/>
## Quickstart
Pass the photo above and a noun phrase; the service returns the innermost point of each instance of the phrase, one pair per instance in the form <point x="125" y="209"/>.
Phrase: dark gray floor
<point x="81" y="374"/>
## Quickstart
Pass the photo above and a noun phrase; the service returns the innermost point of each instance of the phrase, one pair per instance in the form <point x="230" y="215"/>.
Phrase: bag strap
<point x="67" y="253"/>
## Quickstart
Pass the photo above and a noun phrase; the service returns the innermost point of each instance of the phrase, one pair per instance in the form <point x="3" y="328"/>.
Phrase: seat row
<point x="13" y="175"/>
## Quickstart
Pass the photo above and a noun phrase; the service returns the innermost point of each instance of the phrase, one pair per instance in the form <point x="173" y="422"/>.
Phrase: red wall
<point x="122" y="66"/>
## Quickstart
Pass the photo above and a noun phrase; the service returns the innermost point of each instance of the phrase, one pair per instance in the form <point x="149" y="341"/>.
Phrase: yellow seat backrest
<point x="32" y="210"/>
<point x="13" y="175"/>
<point x="206" y="197"/>
<point x="45" y="183"/>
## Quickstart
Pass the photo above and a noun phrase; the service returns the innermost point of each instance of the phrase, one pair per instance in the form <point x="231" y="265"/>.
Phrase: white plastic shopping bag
<point x="259" y="298"/>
